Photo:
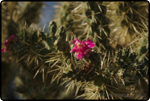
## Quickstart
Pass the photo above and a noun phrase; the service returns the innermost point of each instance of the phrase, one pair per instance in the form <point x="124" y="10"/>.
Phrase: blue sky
<point x="47" y="14"/>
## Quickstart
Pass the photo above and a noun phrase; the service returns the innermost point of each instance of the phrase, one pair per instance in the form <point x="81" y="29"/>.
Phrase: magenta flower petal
<point x="74" y="49"/>
<point x="82" y="43"/>
<point x="91" y="45"/>
<point x="75" y="41"/>
<point x="82" y="48"/>
<point x="88" y="41"/>
<point x="12" y="37"/>
<point x="80" y="56"/>
<point x="6" y="42"/>
<point x="3" y="50"/>
<point x="87" y="52"/>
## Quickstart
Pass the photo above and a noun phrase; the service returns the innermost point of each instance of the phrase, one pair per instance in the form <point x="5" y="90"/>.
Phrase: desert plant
<point x="86" y="64"/>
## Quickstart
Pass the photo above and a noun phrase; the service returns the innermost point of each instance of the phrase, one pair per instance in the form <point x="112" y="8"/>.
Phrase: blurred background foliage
<point x="113" y="26"/>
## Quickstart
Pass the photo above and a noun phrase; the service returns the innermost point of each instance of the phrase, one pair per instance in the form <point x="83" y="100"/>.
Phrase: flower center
<point x="79" y="45"/>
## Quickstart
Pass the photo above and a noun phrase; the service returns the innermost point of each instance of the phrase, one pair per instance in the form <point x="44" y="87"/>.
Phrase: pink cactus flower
<point x="7" y="42"/>
<point x="82" y="48"/>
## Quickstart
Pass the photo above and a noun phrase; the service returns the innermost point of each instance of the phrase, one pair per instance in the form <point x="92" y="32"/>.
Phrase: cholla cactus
<point x="92" y="16"/>
<point x="65" y="18"/>
<point x="13" y="17"/>
<point x="129" y="20"/>
<point x="101" y="74"/>
<point x="94" y="71"/>
<point x="18" y="13"/>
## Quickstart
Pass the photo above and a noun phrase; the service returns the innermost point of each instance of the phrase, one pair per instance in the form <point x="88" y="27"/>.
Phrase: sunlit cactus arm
<point x="128" y="21"/>
<point x="95" y="23"/>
